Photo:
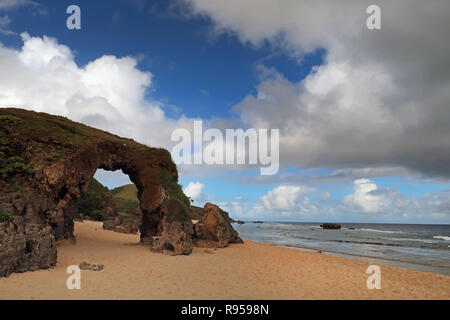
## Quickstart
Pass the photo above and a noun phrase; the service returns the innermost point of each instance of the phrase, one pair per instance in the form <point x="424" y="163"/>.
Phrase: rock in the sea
<point x="330" y="226"/>
<point x="214" y="229"/>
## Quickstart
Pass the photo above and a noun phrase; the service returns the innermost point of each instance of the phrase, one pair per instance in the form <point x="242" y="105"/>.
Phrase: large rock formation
<point x="214" y="228"/>
<point x="46" y="165"/>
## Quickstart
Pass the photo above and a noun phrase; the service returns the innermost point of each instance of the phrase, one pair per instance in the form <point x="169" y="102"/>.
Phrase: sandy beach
<point x="249" y="271"/>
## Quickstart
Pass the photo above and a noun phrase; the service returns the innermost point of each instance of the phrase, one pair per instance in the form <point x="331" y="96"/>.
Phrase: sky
<point x="363" y="115"/>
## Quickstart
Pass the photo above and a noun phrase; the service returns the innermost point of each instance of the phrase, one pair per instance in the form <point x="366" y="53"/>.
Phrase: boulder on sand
<point x="214" y="229"/>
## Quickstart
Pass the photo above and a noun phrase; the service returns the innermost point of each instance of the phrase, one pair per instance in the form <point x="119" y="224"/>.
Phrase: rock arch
<point x="47" y="163"/>
<point x="151" y="170"/>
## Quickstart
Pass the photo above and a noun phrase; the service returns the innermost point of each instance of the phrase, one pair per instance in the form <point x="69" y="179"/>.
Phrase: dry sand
<point x="249" y="271"/>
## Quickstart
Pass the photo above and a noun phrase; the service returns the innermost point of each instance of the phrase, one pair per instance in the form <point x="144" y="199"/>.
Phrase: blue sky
<point x="200" y="60"/>
<point x="203" y="75"/>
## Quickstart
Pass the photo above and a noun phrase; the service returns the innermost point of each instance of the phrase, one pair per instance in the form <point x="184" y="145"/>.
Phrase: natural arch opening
<point x="111" y="198"/>
<point x="112" y="179"/>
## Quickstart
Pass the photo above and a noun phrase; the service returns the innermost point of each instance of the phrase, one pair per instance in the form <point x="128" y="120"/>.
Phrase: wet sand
<point x="250" y="271"/>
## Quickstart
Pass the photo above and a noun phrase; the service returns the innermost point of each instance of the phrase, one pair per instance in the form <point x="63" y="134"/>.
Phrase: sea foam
<point x="442" y="238"/>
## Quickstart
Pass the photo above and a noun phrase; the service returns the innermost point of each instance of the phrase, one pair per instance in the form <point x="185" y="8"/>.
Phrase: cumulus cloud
<point x="194" y="190"/>
<point x="381" y="98"/>
<point x="287" y="198"/>
<point x="107" y="93"/>
<point x="366" y="202"/>
<point x="388" y="204"/>
<point x="365" y="197"/>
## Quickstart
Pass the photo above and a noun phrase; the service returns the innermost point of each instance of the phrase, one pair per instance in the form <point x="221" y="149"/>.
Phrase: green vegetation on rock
<point x="9" y="117"/>
<point x="13" y="165"/>
<point x="6" y="217"/>
<point x="10" y="161"/>
<point x="95" y="201"/>
<point x="197" y="213"/>
<point x="176" y="194"/>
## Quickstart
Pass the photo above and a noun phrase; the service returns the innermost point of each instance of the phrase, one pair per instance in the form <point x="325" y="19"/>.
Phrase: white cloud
<point x="4" y="25"/>
<point x="389" y="205"/>
<point x="13" y="4"/>
<point x="367" y="202"/>
<point x="364" y="198"/>
<point x="194" y="190"/>
<point x="286" y="198"/>
<point x="8" y="4"/>
<point x="107" y="93"/>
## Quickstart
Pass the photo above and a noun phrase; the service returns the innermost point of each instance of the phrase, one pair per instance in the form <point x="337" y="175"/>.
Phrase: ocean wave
<point x="414" y="240"/>
<point x="442" y="264"/>
<point x="442" y="238"/>
<point x="382" y="231"/>
<point x="363" y="242"/>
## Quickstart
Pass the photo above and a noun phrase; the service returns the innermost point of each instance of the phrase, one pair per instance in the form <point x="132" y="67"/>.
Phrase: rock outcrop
<point x="214" y="229"/>
<point x="122" y="225"/>
<point x="25" y="247"/>
<point x="46" y="164"/>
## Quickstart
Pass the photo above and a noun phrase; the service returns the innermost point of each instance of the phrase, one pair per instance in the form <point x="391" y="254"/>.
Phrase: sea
<point x="412" y="246"/>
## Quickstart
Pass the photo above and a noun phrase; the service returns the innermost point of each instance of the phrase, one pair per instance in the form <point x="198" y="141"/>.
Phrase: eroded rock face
<point x="25" y="247"/>
<point x="46" y="164"/>
<point x="214" y="229"/>
<point x="177" y="230"/>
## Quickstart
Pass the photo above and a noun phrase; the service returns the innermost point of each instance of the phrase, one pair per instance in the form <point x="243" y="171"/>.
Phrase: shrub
<point x="98" y="215"/>
<point x="6" y="217"/>
<point x="13" y="165"/>
<point x="177" y="211"/>
<point x="94" y="202"/>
